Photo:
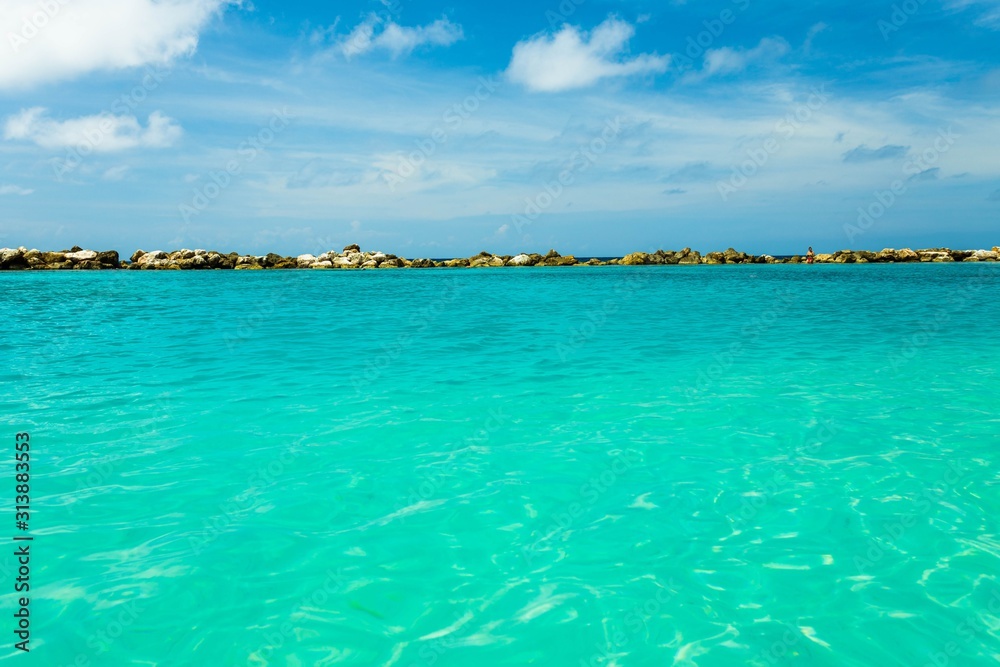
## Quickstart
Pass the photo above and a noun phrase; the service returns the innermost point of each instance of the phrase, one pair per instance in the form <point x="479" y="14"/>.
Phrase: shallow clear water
<point x="707" y="466"/>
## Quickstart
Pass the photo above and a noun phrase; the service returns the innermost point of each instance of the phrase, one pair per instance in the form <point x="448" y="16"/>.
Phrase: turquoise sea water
<point x="711" y="466"/>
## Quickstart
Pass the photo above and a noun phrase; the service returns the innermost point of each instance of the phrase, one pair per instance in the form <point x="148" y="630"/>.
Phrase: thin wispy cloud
<point x="926" y="175"/>
<point x="864" y="154"/>
<point x="987" y="11"/>
<point x="694" y="172"/>
<point x="729" y="60"/>
<point x="814" y="31"/>
<point x="14" y="190"/>
<point x="102" y="133"/>
<point x="572" y="58"/>
<point x="115" y="174"/>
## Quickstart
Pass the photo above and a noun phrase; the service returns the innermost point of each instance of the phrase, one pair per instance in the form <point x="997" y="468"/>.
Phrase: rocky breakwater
<point x="352" y="257"/>
<point x="187" y="260"/>
<point x="487" y="260"/>
<point x="14" y="259"/>
<point x="903" y="256"/>
<point x="688" y="256"/>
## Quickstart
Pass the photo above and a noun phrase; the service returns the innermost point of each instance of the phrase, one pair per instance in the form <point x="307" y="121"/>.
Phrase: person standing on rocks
<point x="809" y="256"/>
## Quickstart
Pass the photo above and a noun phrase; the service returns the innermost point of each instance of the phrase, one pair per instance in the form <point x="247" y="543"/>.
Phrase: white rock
<point x="82" y="256"/>
<point x="343" y="261"/>
<point x="519" y="260"/>
<point x="152" y="256"/>
<point x="326" y="264"/>
<point x="305" y="260"/>
<point x="7" y="254"/>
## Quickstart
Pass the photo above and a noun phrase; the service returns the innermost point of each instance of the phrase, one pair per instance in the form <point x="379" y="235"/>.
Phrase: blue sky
<point x="426" y="128"/>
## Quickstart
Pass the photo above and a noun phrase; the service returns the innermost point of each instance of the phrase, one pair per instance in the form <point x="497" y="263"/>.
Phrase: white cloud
<point x="14" y="190"/>
<point x="730" y="61"/>
<point x="989" y="11"/>
<point x="115" y="173"/>
<point x="575" y="59"/>
<point x="103" y="133"/>
<point x="375" y="33"/>
<point x="53" y="40"/>
<point x="813" y="32"/>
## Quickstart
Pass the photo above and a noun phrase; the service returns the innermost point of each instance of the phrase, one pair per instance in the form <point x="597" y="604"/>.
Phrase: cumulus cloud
<point x="14" y="190"/>
<point x="864" y="154"/>
<point x="375" y="33"/>
<point x="572" y="58"/>
<point x="728" y="60"/>
<point x="102" y="133"/>
<point x="55" y="40"/>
